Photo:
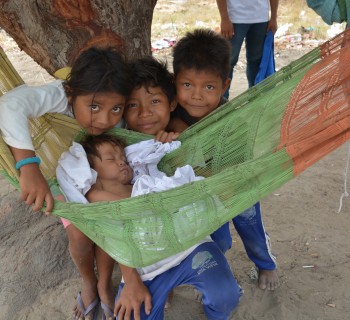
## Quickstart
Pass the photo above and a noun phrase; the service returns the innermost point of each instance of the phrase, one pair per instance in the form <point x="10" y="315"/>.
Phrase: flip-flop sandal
<point x="107" y="311"/>
<point x="91" y="308"/>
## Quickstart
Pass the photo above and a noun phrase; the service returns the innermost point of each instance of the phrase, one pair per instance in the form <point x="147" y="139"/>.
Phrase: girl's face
<point x="148" y="110"/>
<point x="98" y="112"/>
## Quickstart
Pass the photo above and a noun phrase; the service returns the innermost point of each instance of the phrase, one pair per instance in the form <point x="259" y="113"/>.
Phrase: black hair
<point x="203" y="50"/>
<point x="149" y="72"/>
<point x="98" y="70"/>
<point x="91" y="143"/>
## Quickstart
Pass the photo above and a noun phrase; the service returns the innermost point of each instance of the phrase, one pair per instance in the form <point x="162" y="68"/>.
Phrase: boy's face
<point x="199" y="92"/>
<point x="98" y="112"/>
<point x="112" y="164"/>
<point x="148" y="110"/>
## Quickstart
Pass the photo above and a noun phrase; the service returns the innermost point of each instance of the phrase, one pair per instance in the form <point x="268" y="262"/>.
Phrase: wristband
<point x="25" y="161"/>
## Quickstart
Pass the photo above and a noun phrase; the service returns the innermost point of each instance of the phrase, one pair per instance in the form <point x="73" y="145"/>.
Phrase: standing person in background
<point x="247" y="20"/>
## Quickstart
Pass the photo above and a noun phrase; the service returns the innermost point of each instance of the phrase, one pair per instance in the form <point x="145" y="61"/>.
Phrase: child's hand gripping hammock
<point x="246" y="149"/>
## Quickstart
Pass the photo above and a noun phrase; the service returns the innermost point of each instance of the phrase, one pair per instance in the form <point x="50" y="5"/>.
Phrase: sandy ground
<point x="309" y="238"/>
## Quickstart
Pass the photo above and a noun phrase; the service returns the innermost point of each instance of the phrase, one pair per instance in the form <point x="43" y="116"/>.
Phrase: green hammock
<point x="245" y="149"/>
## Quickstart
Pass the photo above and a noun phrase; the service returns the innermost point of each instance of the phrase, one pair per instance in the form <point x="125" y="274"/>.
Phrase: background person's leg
<point x="255" y="38"/>
<point x="240" y="31"/>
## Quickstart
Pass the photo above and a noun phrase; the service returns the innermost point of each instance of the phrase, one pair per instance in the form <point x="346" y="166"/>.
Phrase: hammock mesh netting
<point x="245" y="149"/>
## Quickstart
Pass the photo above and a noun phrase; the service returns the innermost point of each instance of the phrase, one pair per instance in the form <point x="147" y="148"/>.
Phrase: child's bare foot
<point x="268" y="280"/>
<point x="169" y="299"/>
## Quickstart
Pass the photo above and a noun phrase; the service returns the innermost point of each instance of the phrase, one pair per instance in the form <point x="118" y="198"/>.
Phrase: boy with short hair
<point x="201" y="68"/>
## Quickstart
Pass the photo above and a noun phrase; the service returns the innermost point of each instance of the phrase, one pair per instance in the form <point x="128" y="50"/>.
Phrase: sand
<point x="310" y="239"/>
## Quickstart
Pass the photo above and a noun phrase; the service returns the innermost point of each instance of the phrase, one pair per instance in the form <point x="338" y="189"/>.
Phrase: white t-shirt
<point x="248" y="11"/>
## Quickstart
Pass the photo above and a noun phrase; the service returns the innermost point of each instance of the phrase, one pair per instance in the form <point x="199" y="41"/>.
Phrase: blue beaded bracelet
<point x="25" y="161"/>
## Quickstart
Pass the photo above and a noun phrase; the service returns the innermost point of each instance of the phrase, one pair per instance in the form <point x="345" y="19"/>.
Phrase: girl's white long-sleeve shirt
<point x="25" y="102"/>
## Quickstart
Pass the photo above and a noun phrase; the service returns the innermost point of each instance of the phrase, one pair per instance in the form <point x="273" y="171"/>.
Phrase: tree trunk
<point x="54" y="32"/>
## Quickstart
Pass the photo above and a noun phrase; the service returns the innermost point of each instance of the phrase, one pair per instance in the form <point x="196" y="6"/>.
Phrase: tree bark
<point x="54" y="32"/>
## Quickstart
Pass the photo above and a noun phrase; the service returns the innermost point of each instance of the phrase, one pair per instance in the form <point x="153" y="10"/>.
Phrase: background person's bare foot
<point x="268" y="280"/>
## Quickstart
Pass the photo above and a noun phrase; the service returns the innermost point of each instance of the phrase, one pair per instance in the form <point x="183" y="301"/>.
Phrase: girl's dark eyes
<point x="117" y="109"/>
<point x="131" y="105"/>
<point x="94" y="107"/>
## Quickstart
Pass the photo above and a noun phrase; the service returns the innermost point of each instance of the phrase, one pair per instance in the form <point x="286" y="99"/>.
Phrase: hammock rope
<point x="246" y="149"/>
<point x="345" y="192"/>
